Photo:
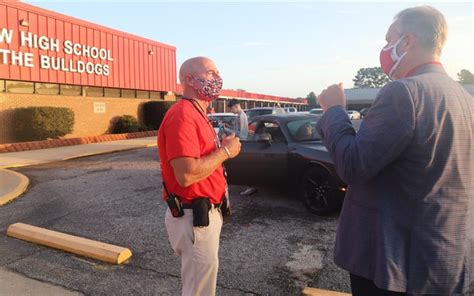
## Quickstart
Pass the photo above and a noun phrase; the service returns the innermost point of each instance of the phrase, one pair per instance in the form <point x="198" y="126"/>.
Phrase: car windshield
<point x="222" y="121"/>
<point x="258" y="112"/>
<point x="303" y="130"/>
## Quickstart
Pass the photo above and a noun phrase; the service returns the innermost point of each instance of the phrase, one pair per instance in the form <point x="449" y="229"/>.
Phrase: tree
<point x="466" y="77"/>
<point x="312" y="99"/>
<point x="370" y="78"/>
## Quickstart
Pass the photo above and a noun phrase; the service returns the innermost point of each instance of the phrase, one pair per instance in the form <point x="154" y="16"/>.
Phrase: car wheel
<point x="317" y="193"/>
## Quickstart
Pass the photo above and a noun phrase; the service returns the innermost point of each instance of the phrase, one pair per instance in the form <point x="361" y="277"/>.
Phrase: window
<point x="156" y="95"/>
<point x="70" y="90"/>
<point x="276" y="135"/>
<point x="259" y="130"/>
<point x="47" y="88"/>
<point x="93" y="91"/>
<point x="128" y="93"/>
<point x="20" y="87"/>
<point x="112" y="92"/>
<point x="2" y="85"/>
<point x="143" y="94"/>
<point x="99" y="107"/>
<point x="303" y="130"/>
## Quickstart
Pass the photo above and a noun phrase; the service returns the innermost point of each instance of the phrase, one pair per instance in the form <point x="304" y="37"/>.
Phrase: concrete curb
<point x="109" y="151"/>
<point x="35" y="145"/>
<point x="4" y="167"/>
<point x="13" y="184"/>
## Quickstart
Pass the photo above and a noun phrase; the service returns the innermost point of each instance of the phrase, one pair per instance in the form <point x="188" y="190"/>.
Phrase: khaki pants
<point x="198" y="248"/>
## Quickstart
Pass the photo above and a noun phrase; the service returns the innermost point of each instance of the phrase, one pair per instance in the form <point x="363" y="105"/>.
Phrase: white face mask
<point x="389" y="58"/>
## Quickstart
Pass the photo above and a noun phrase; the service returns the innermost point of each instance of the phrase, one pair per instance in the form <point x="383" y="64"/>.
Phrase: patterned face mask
<point x="211" y="88"/>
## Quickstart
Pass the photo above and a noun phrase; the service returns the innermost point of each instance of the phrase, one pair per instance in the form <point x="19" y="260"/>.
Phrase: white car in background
<point x="353" y="114"/>
<point x="316" y="111"/>
<point x="290" y="109"/>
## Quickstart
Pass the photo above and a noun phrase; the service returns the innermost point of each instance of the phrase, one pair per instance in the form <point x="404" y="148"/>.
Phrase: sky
<point x="278" y="48"/>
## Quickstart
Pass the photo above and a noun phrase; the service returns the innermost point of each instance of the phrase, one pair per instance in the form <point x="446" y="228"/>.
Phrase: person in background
<point x="279" y="109"/>
<point x="241" y="131"/>
<point x="241" y="125"/>
<point x="210" y="109"/>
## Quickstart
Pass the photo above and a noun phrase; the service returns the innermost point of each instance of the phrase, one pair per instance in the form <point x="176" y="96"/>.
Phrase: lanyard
<point x="217" y="142"/>
<point x="200" y="110"/>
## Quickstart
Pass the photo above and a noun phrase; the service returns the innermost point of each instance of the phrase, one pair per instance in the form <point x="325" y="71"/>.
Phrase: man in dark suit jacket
<point x="407" y="223"/>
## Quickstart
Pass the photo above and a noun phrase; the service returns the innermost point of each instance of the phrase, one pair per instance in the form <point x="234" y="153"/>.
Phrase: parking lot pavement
<point x="273" y="246"/>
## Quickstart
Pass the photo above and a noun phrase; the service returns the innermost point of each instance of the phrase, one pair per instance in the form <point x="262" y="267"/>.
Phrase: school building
<point x="50" y="59"/>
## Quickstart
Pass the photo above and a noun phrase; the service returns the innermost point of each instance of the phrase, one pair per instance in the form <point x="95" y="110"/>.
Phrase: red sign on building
<point x="43" y="46"/>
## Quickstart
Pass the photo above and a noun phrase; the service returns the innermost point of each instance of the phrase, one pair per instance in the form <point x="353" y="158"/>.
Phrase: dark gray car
<point x="286" y="150"/>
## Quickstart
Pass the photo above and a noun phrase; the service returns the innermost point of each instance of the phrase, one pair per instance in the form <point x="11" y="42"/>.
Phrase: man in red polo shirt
<point x="191" y="167"/>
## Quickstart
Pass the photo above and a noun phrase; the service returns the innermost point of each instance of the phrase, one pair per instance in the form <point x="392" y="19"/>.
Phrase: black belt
<point x="190" y="206"/>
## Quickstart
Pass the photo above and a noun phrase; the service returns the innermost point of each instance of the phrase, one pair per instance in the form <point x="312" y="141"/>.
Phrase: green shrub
<point x="154" y="112"/>
<point x="41" y="123"/>
<point x="125" y="124"/>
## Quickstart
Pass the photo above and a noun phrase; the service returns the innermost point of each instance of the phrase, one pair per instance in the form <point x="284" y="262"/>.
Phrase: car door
<point x="263" y="159"/>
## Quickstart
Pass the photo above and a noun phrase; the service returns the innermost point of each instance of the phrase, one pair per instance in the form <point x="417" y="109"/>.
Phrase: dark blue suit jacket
<point x="407" y="222"/>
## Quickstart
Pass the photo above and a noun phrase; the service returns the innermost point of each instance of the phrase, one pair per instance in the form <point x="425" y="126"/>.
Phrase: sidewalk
<point x="15" y="284"/>
<point x="32" y="157"/>
<point x="13" y="184"/>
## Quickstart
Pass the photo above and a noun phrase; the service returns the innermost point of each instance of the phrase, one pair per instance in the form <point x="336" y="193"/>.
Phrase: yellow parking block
<point x="320" y="292"/>
<point x="69" y="243"/>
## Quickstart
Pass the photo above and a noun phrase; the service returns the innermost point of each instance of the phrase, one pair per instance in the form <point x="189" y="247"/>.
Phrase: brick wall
<point x="87" y="123"/>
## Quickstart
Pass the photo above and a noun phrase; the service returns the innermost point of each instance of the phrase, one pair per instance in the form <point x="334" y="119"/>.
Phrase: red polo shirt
<point x="184" y="132"/>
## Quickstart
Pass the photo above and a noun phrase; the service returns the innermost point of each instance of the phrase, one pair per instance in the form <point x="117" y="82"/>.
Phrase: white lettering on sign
<point x="44" y="43"/>
<point x="87" y="51"/>
<point x="45" y="62"/>
<point x="29" y="60"/>
<point x="61" y="64"/>
<point x="68" y="47"/>
<point x="77" y="49"/>
<point x="106" y="70"/>
<point x="6" y="36"/>
<point x="17" y="58"/>
<point x="31" y="40"/>
<point x="4" y="53"/>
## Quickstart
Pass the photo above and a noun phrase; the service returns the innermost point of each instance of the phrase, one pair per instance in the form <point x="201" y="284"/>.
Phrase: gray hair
<point x="427" y="24"/>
